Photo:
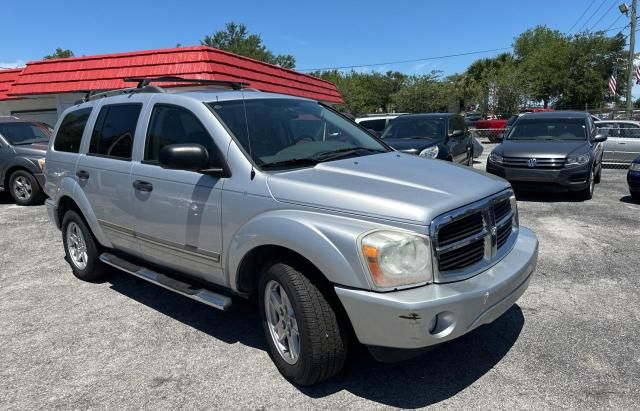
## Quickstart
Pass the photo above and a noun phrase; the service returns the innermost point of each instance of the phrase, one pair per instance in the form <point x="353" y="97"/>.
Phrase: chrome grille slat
<point x="470" y="238"/>
<point x="548" y="163"/>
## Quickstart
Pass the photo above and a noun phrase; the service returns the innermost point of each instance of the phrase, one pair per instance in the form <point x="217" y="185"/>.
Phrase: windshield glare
<point x="548" y="129"/>
<point x="21" y="133"/>
<point x="289" y="130"/>
<point x="415" y="128"/>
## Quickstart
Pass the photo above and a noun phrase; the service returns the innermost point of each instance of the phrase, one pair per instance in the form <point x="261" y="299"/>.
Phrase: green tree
<point x="236" y="39"/>
<point x="59" y="54"/>
<point x="426" y="93"/>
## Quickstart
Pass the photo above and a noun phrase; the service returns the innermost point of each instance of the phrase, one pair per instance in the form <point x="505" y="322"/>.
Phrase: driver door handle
<point x="143" y="186"/>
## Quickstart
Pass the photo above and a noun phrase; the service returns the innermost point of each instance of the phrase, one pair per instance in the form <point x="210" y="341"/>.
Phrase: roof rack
<point x="144" y="87"/>
<point x="144" y="81"/>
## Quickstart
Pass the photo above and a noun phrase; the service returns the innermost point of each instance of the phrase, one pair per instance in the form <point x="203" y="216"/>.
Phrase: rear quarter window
<point x="69" y="134"/>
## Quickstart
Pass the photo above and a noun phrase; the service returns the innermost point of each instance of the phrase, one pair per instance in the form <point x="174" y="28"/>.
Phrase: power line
<point x="590" y="17"/>
<point x="614" y="22"/>
<point x="406" y="61"/>
<point x="602" y="16"/>
<point x="581" y="16"/>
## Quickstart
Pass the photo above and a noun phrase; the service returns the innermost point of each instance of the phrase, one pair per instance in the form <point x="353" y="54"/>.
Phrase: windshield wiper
<point x="291" y="162"/>
<point x="341" y="153"/>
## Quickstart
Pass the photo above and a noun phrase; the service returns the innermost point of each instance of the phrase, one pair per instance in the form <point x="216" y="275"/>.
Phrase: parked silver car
<point x="623" y="143"/>
<point x="238" y="193"/>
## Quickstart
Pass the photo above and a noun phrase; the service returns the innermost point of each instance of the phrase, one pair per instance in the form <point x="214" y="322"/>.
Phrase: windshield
<point x="21" y="133"/>
<point x="548" y="129"/>
<point x="430" y="128"/>
<point x="290" y="132"/>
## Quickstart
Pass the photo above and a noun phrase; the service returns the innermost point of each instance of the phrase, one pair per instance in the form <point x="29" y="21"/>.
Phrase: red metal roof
<point x="7" y="78"/>
<point x="104" y="72"/>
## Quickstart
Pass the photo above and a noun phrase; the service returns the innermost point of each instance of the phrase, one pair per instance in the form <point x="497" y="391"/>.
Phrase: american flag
<point x="638" y="75"/>
<point x="613" y="82"/>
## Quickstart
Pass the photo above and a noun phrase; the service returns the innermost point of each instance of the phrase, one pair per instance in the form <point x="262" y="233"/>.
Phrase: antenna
<point x="246" y="122"/>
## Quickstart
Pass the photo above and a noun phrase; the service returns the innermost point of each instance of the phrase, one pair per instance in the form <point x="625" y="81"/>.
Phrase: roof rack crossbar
<point x="144" y="81"/>
<point x="92" y="95"/>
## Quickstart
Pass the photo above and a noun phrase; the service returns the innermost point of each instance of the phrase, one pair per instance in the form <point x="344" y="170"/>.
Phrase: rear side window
<point x="70" y="132"/>
<point x="114" y="131"/>
<point x="375" y="125"/>
<point x="174" y="125"/>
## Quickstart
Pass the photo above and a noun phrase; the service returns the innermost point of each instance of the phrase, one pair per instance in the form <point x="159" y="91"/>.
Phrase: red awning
<point x="105" y="72"/>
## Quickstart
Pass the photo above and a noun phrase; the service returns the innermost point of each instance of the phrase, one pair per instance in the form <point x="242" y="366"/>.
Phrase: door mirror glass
<point x="190" y="157"/>
<point x="599" y="138"/>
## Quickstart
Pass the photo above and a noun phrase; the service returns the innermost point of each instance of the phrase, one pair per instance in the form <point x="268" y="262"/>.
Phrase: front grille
<point x="462" y="257"/>
<point x="540" y="163"/>
<point x="465" y="237"/>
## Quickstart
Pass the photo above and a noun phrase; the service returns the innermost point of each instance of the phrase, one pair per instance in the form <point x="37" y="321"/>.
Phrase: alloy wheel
<point x="281" y="320"/>
<point x="76" y="246"/>
<point x="22" y="188"/>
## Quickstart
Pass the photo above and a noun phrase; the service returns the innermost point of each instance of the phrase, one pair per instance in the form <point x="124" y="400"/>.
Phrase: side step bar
<point x="219" y="301"/>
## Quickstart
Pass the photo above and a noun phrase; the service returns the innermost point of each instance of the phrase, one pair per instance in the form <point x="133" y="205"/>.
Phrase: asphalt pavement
<point x="572" y="340"/>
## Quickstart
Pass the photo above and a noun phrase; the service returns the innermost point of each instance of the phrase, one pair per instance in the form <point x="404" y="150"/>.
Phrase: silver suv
<point x="223" y="194"/>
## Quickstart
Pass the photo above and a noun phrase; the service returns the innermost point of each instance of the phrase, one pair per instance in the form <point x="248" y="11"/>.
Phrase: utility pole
<point x="632" y="44"/>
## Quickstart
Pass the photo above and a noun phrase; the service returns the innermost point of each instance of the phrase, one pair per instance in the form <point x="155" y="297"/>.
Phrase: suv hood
<point x="394" y="186"/>
<point x="35" y="150"/>
<point x="541" y="149"/>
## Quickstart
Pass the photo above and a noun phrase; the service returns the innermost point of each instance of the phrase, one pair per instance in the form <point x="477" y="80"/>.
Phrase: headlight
<point x="495" y="158"/>
<point x="41" y="162"/>
<point x="514" y="210"/>
<point x="578" y="160"/>
<point x="430" y="152"/>
<point x="634" y="166"/>
<point x="397" y="258"/>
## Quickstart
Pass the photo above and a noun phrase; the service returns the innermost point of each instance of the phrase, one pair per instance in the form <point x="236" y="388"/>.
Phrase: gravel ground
<point x="572" y="341"/>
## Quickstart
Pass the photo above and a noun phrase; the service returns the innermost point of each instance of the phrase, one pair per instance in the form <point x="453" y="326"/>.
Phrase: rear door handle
<point x="82" y="174"/>
<point x="143" y="186"/>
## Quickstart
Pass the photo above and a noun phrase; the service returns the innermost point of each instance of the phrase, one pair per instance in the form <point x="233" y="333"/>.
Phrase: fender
<point x="69" y="187"/>
<point x="21" y="162"/>
<point x="327" y="241"/>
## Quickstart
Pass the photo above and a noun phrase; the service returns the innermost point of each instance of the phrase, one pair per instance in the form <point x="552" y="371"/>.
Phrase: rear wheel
<point x="24" y="188"/>
<point x="80" y="248"/>
<point x="305" y="336"/>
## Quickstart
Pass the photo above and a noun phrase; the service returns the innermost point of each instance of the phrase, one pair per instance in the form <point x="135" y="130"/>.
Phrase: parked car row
<point x="226" y="194"/>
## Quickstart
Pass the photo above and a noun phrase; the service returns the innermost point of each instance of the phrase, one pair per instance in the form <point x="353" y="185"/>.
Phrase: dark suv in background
<point x="444" y="136"/>
<point x="555" y="150"/>
<point x="23" y="146"/>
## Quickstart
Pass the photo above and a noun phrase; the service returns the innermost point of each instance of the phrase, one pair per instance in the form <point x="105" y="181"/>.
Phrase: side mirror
<point x="457" y="133"/>
<point x="599" y="138"/>
<point x="190" y="157"/>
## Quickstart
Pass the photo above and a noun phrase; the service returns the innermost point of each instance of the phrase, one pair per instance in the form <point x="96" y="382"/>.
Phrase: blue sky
<point x="323" y="33"/>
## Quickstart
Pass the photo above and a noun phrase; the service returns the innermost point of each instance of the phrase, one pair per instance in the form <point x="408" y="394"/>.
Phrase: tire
<point x="25" y="189"/>
<point x="587" y="193"/>
<point x="322" y="339"/>
<point x="470" y="156"/>
<point x="635" y="197"/>
<point x="598" y="177"/>
<point x="81" y="249"/>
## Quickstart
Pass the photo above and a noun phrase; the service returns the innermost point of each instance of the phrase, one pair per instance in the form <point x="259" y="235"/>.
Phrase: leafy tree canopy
<point x="236" y="39"/>
<point x="59" y="54"/>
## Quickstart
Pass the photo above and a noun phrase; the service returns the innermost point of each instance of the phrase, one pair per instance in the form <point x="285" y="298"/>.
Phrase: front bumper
<point x="435" y="313"/>
<point x="52" y="211"/>
<point x="633" y="179"/>
<point x="569" y="178"/>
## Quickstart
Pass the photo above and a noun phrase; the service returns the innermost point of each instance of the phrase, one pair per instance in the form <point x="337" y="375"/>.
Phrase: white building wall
<point x="39" y="108"/>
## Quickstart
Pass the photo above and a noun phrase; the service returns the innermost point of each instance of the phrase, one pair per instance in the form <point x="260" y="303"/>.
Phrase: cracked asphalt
<point x="572" y="341"/>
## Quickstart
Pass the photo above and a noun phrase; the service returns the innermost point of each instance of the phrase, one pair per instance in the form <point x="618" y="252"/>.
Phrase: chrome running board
<point x="195" y="292"/>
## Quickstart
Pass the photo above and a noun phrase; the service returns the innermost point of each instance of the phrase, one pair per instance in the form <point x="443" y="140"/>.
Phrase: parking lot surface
<point x="572" y="341"/>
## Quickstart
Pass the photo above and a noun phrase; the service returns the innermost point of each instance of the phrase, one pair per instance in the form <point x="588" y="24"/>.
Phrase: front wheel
<point x="80" y="248"/>
<point x="305" y="336"/>
<point x="24" y="188"/>
<point x="587" y="192"/>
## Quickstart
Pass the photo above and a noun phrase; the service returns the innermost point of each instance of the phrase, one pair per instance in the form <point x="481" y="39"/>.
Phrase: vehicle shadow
<point x="5" y="198"/>
<point x="546" y="197"/>
<point x="424" y="380"/>
<point x="629" y="200"/>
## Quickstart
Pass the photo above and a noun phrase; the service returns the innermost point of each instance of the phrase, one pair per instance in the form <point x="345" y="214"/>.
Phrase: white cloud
<point x="12" y="64"/>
